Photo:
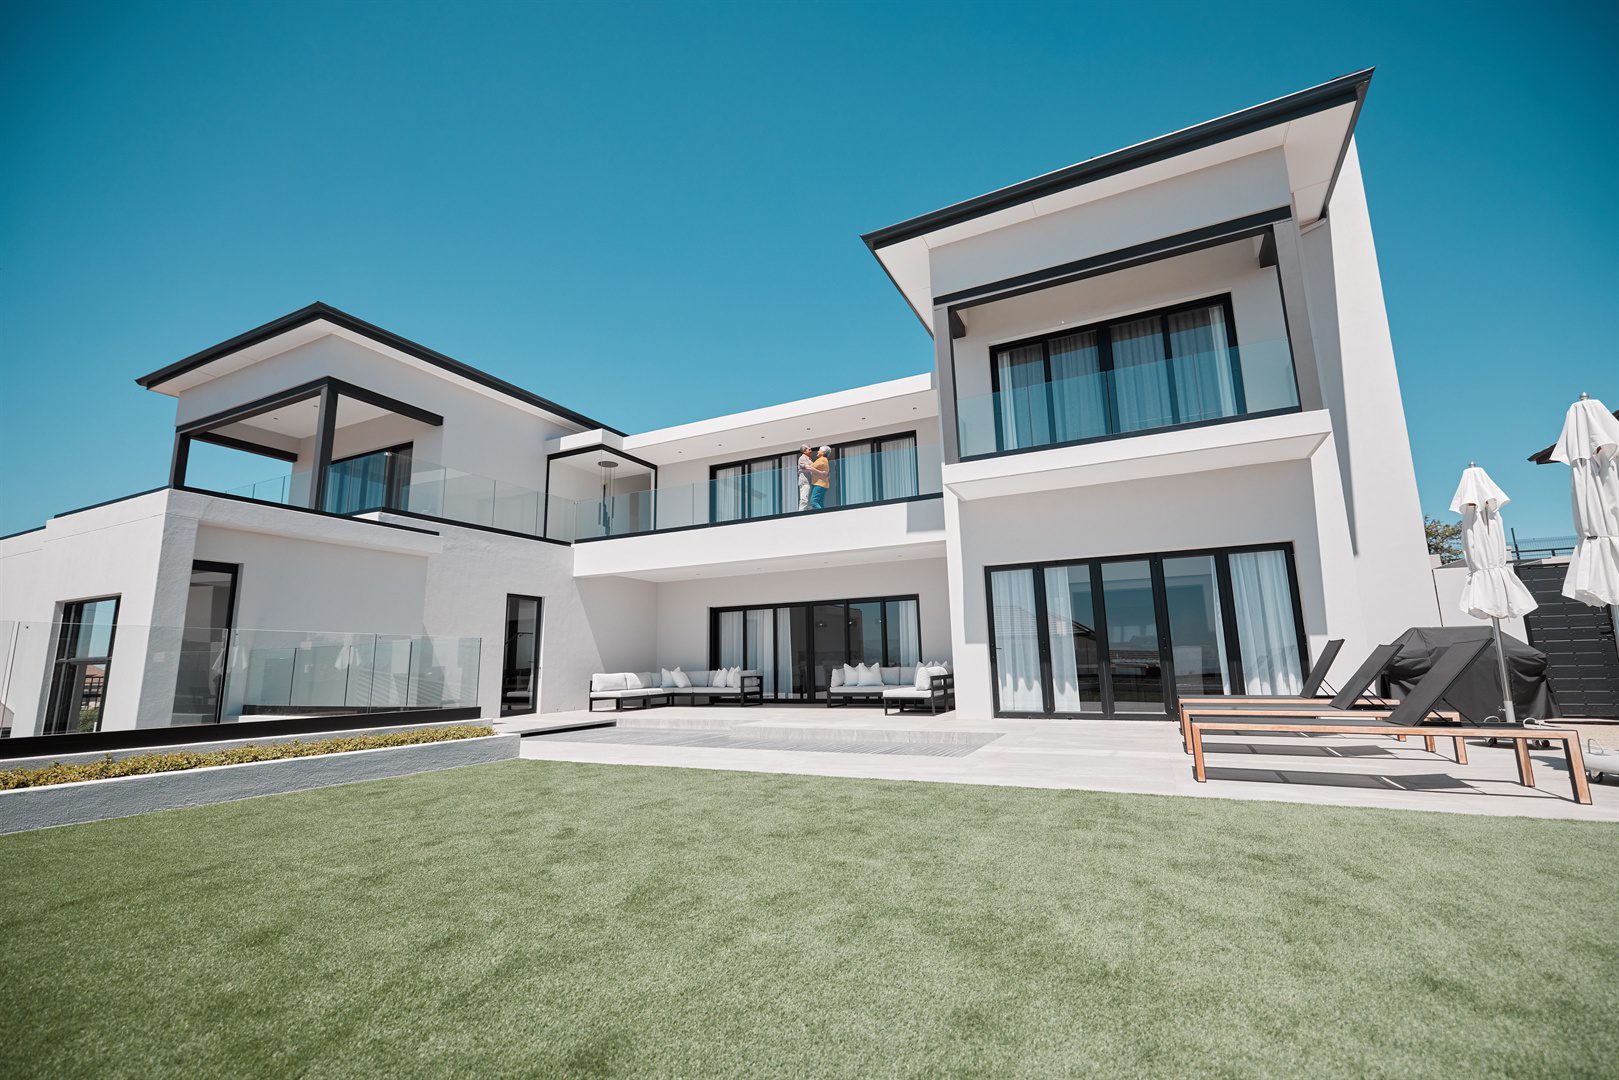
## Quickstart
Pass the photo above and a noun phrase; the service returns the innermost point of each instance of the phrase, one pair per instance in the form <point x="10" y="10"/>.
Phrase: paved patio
<point x="1098" y="755"/>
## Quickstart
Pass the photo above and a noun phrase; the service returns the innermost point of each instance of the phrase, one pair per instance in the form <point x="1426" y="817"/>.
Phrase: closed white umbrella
<point x="1589" y="446"/>
<point x="1493" y="590"/>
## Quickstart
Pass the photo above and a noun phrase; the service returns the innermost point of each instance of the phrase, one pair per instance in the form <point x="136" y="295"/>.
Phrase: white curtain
<point x="730" y="639"/>
<point x="1063" y="623"/>
<point x="727" y="491"/>
<point x="1021" y="403"/>
<point x="1017" y="641"/>
<point x="1266" y="632"/>
<point x="853" y="479"/>
<point x="897" y="467"/>
<point x="1078" y="389"/>
<point x="784" y="652"/>
<point x="900" y="625"/>
<point x="1141" y="375"/>
<point x="760" y="631"/>
<point x="1204" y="387"/>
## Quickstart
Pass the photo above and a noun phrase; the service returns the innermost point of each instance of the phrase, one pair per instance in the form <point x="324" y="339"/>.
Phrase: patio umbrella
<point x="1589" y="446"/>
<point x="1492" y="591"/>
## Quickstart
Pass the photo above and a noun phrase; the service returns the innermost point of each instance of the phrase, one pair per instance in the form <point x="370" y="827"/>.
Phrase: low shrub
<point x="177" y="760"/>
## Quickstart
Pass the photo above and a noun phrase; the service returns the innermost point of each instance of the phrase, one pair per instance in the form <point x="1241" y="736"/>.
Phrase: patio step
<point x="845" y="733"/>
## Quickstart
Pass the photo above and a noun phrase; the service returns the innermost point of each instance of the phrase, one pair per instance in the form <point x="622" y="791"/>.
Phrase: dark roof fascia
<point x="1346" y="90"/>
<point x="318" y="311"/>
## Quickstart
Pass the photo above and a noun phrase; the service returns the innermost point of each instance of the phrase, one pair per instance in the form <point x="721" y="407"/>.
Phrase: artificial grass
<point x="583" y="920"/>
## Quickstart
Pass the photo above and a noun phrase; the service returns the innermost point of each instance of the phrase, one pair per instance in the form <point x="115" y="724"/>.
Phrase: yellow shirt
<point x="823" y="471"/>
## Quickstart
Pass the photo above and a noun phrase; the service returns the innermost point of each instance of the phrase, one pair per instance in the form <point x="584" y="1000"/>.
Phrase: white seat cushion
<point x="847" y="689"/>
<point x="890" y="676"/>
<point x="907" y="692"/>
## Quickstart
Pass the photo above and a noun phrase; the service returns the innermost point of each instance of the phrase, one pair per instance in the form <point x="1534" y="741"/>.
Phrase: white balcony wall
<point x="1230" y="268"/>
<point x="484" y="433"/>
<point x="1224" y="192"/>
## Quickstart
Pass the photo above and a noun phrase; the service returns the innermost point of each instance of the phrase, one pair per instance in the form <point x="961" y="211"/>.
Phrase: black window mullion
<point x="1166" y="647"/>
<point x="1042" y="630"/>
<point x="1228" y="620"/>
<point x="1169" y="370"/>
<point x="1234" y="358"/>
<point x="1104" y="658"/>
<point x="1045" y="390"/>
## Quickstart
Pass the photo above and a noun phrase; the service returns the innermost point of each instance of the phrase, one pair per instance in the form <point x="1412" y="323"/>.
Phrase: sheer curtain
<point x="1017" y="641"/>
<point x="760" y="632"/>
<point x="900" y="623"/>
<point x="1263" y="598"/>
<point x="1141" y="375"/>
<point x="853" y="479"/>
<point x="1204" y="386"/>
<point x="728" y="490"/>
<point x="1060" y="622"/>
<point x="1021" y="411"/>
<point x="730" y="639"/>
<point x="896" y="470"/>
<point x="1078" y="389"/>
<point x="785" y="668"/>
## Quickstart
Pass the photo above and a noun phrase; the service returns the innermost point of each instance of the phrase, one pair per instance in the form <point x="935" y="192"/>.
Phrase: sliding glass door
<point x="1125" y="637"/>
<point x="796" y="647"/>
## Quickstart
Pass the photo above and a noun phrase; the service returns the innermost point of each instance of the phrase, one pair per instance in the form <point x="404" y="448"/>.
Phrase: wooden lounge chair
<point x="1347" y="697"/>
<point x="1410" y="717"/>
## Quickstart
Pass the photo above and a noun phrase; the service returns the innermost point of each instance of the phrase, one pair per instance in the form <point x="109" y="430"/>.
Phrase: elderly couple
<point x="814" y="476"/>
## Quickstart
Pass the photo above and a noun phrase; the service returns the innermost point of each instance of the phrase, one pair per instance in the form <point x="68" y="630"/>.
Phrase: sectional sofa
<point x="644" y="689"/>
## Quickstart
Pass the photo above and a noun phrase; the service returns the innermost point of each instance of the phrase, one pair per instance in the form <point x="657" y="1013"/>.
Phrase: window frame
<point x="505" y="657"/>
<point x="59" y="661"/>
<point x="1105" y="365"/>
<point x="1155" y="561"/>
<point x="871" y="442"/>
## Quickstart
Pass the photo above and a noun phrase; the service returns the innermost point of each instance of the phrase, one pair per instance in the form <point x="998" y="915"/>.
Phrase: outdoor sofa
<point x="645" y="689"/>
<point x="1416" y="715"/>
<point x="928" y="686"/>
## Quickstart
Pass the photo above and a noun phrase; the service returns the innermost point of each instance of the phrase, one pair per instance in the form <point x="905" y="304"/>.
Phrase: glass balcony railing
<point x="747" y="493"/>
<point x="159" y="676"/>
<point x="1030" y="411"/>
<point x="391" y="480"/>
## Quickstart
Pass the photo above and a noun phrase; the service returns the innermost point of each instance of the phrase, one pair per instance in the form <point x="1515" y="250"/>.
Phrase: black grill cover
<point x="1477" y="694"/>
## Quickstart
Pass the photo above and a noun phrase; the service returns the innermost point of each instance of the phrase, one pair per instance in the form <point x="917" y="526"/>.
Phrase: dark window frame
<point x="714" y="614"/>
<point x="872" y="443"/>
<point x="395" y="479"/>
<point x="1105" y="366"/>
<point x="505" y="657"/>
<point x="1155" y="560"/>
<point x="234" y="570"/>
<point x="59" y="661"/>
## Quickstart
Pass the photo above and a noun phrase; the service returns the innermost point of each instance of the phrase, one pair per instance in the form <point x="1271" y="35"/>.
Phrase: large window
<point x="863" y="471"/>
<point x="204" y="643"/>
<point x="83" y="659"/>
<point x="1128" y="636"/>
<point x="378" y="480"/>
<point x="795" y="647"/>
<point x="1158" y="369"/>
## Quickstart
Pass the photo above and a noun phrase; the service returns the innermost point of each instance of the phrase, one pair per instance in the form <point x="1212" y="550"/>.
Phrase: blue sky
<point x="651" y="213"/>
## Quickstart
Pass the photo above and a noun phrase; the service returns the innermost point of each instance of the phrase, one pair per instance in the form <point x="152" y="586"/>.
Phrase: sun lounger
<point x="1413" y="716"/>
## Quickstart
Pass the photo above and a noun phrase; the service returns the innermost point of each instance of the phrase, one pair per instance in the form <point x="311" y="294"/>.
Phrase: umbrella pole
<point x="1506" y="684"/>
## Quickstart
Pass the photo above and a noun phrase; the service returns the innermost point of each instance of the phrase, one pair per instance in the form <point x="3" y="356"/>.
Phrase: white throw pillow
<point x="682" y="680"/>
<point x="716" y="678"/>
<point x="607" y="681"/>
<point x="924" y="681"/>
<point x="851" y="677"/>
<point x="733" y="678"/>
<point x="632" y="681"/>
<point x="837" y="676"/>
<point x="871" y="676"/>
<point x="666" y="678"/>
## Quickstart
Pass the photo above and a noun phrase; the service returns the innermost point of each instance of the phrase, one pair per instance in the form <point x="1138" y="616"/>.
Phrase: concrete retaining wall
<point x="96" y="800"/>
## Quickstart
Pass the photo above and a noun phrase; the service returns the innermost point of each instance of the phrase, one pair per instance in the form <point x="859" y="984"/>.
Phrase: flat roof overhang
<point x="316" y="321"/>
<point x="1312" y="127"/>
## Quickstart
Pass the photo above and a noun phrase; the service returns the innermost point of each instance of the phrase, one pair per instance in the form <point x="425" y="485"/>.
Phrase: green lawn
<point x="531" y="917"/>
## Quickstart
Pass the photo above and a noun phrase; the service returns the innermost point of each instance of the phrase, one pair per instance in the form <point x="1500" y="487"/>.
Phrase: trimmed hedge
<point x="141" y="764"/>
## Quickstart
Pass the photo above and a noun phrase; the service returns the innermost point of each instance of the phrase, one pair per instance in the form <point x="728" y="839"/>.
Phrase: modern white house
<point x="1161" y="451"/>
